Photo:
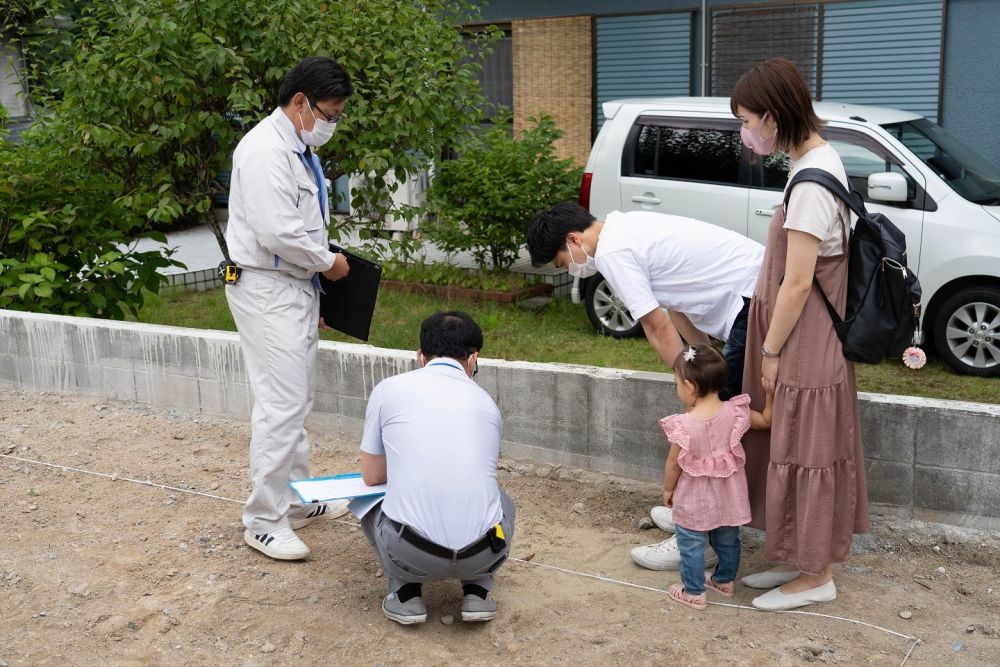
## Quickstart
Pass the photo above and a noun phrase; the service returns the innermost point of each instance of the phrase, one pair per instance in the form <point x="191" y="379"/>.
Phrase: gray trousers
<point x="404" y="563"/>
<point x="279" y="336"/>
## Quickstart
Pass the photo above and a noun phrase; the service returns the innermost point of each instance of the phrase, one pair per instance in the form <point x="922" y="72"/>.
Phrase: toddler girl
<point x="704" y="482"/>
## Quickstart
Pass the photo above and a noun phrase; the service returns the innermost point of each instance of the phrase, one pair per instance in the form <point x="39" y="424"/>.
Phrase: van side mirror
<point x="887" y="186"/>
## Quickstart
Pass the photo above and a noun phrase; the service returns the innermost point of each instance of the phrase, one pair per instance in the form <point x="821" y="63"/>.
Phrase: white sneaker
<point x="663" y="517"/>
<point x="282" y="544"/>
<point x="666" y="556"/>
<point x="777" y="601"/>
<point x="332" y="510"/>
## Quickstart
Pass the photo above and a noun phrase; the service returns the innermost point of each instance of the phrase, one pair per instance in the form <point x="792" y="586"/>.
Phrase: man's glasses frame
<point x="327" y="117"/>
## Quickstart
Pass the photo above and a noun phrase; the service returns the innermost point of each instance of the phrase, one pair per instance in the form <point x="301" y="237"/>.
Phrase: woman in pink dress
<point x="704" y="481"/>
<point x="806" y="477"/>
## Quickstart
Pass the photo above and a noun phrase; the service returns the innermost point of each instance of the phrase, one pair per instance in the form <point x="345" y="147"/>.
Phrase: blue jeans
<point x="691" y="543"/>
<point x="735" y="353"/>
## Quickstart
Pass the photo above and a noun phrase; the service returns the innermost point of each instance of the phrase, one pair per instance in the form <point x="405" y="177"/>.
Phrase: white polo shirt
<point x="440" y="433"/>
<point x="681" y="264"/>
<point x="275" y="219"/>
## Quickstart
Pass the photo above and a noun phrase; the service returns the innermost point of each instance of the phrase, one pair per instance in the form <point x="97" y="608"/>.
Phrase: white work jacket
<point x="275" y="220"/>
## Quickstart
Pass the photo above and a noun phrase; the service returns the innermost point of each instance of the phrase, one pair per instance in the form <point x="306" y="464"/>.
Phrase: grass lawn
<point x="559" y="333"/>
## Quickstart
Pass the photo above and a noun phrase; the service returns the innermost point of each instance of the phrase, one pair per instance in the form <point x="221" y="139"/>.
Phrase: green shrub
<point x="483" y="200"/>
<point x="448" y="274"/>
<point x="63" y="238"/>
<point x="159" y="92"/>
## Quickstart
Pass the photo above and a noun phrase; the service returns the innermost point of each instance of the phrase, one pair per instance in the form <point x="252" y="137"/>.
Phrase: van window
<point x="776" y="167"/>
<point x="968" y="174"/>
<point x="862" y="156"/>
<point x="690" y="154"/>
<point x="860" y="163"/>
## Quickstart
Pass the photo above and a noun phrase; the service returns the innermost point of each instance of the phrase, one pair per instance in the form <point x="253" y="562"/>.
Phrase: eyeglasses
<point x="475" y="369"/>
<point x="328" y="118"/>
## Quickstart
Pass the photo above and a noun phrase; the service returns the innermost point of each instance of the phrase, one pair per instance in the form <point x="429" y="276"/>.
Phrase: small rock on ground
<point x="447" y="619"/>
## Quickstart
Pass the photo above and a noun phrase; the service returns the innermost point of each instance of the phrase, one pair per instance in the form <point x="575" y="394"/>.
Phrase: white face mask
<point x="585" y="270"/>
<point x="321" y="132"/>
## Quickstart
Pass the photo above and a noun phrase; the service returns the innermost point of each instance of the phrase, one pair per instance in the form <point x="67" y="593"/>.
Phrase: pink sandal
<point x="677" y="594"/>
<point x="711" y="585"/>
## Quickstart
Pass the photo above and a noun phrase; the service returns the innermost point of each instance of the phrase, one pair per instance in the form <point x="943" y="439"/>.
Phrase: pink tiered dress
<point x="712" y="489"/>
<point x="807" y="474"/>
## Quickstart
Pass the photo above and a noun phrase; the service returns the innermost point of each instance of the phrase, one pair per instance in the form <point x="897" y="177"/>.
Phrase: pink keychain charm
<point x="914" y="357"/>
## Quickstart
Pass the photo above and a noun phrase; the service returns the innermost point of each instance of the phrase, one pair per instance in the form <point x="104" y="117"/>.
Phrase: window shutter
<point x="884" y="53"/>
<point x="744" y="37"/>
<point x="642" y="56"/>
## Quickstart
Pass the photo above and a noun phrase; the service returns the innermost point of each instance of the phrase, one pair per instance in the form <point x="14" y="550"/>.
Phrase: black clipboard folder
<point x="348" y="304"/>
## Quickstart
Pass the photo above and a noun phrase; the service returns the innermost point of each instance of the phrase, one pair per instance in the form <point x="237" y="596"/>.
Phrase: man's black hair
<point x="450" y="334"/>
<point x="319" y="79"/>
<point x="547" y="232"/>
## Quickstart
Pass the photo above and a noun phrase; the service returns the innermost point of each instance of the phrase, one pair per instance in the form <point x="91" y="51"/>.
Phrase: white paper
<point x="321" y="489"/>
<point x="361" y="506"/>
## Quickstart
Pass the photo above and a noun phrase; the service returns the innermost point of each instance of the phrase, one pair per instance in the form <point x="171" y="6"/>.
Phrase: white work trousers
<point x="277" y="323"/>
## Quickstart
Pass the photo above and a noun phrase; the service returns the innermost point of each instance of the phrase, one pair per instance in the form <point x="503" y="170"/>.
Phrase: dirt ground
<point x="99" y="570"/>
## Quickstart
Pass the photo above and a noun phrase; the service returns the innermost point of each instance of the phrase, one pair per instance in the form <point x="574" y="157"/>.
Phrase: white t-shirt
<point x="440" y="434"/>
<point x="814" y="209"/>
<point x="685" y="265"/>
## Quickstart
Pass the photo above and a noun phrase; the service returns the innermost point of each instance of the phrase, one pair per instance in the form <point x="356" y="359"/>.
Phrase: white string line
<point x="718" y="604"/>
<point x="610" y="580"/>
<point x="915" y="642"/>
<point x="143" y="482"/>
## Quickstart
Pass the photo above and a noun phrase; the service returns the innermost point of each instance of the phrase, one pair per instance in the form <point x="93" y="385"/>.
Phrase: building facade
<point x="566" y="57"/>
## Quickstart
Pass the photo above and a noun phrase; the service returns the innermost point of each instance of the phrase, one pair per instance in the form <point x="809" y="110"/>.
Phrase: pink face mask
<point x="753" y="140"/>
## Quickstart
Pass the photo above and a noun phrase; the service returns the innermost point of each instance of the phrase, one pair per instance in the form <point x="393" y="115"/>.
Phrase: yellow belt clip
<point x="499" y="531"/>
<point x="229" y="272"/>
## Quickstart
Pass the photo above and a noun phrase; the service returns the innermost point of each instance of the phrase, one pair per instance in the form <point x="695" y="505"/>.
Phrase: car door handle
<point x="645" y="199"/>
<point x="766" y="212"/>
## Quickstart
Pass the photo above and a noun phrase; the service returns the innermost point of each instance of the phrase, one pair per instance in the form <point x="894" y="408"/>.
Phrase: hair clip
<point x="689" y="354"/>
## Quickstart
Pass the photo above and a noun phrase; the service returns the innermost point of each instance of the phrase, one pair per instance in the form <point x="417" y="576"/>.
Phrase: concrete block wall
<point x="553" y="75"/>
<point x="931" y="459"/>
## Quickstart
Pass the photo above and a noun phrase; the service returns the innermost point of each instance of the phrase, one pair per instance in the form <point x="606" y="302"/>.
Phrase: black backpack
<point x="883" y="295"/>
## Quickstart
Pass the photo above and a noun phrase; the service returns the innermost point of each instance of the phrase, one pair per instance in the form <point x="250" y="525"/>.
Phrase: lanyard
<point x="442" y="363"/>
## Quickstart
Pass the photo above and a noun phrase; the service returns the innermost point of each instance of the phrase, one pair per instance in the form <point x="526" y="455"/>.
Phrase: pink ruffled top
<point x="712" y="489"/>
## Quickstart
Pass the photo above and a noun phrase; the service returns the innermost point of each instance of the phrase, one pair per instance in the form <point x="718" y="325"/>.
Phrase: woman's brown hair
<point x="776" y="87"/>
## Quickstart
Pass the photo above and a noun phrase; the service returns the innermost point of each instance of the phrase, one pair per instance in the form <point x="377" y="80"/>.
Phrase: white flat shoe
<point x="768" y="580"/>
<point x="777" y="601"/>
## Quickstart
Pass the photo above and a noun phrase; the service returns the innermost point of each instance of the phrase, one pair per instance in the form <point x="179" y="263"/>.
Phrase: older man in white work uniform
<point x="433" y="435"/>
<point x="277" y="236"/>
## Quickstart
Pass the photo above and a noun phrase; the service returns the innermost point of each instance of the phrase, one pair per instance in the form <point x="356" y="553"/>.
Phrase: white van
<point x="684" y="156"/>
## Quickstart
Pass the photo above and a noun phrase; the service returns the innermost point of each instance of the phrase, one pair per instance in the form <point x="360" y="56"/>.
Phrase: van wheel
<point x="606" y="312"/>
<point x="967" y="331"/>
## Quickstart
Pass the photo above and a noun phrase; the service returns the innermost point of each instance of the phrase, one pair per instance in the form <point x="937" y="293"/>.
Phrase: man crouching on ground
<point x="434" y="435"/>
